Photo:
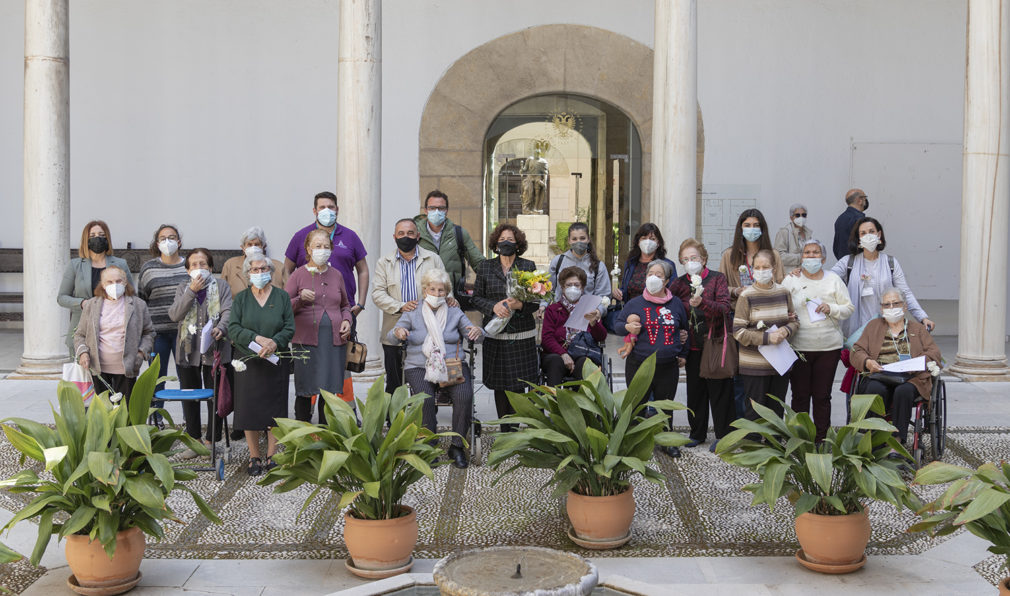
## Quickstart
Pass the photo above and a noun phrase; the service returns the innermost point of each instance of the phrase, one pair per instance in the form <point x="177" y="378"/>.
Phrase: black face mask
<point x="98" y="244"/>
<point x="867" y="205"/>
<point x="507" y="248"/>
<point x="406" y="243"/>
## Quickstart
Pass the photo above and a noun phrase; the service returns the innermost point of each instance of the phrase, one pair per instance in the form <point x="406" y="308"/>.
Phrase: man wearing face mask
<point x="582" y="254"/>
<point x="789" y="240"/>
<point x="397" y="290"/>
<point x="450" y="241"/>
<point x="857" y="203"/>
<point x="348" y="256"/>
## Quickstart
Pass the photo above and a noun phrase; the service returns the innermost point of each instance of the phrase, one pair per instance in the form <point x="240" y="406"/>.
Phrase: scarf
<point x="189" y="323"/>
<point x="662" y="300"/>
<point x="569" y="332"/>
<point x="433" y="347"/>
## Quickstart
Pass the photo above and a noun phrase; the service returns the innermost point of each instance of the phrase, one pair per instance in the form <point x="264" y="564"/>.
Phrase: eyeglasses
<point x="176" y="238"/>
<point x="693" y="259"/>
<point x="259" y="270"/>
<point x="892" y="304"/>
<point x="442" y="209"/>
<point x="803" y="214"/>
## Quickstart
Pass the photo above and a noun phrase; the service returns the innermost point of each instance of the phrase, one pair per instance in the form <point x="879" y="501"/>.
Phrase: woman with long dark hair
<point x="581" y="253"/>
<point x="646" y="246"/>
<point x="737" y="263"/>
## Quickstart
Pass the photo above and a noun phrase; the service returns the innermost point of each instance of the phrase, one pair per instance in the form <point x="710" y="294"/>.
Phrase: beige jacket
<point x="139" y="334"/>
<point x="386" y="287"/>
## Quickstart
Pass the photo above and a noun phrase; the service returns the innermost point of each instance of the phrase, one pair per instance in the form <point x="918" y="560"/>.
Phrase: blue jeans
<point x="740" y="397"/>
<point x="164" y="344"/>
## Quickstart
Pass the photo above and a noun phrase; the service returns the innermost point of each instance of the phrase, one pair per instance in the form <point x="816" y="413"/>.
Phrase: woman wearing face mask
<point x="557" y="340"/>
<point x="582" y="254"/>
<point x="433" y="332"/>
<point x="737" y="262"/>
<point x="868" y="272"/>
<point x="158" y="280"/>
<point x="705" y="296"/>
<point x="510" y="358"/>
<point x="322" y="325"/>
<point x="253" y="239"/>
<point x="660" y="319"/>
<point x="83" y="275"/>
<point x="261" y="318"/>
<point x="115" y="333"/>
<point x="198" y="301"/>
<point x="887" y="340"/>
<point x="820" y="341"/>
<point x="761" y="306"/>
<point x="647" y="245"/>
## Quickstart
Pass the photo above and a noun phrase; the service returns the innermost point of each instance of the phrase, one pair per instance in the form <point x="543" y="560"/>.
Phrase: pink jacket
<point x="331" y="297"/>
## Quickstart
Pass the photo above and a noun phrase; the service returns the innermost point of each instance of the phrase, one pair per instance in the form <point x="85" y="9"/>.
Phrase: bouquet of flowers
<point x="524" y="286"/>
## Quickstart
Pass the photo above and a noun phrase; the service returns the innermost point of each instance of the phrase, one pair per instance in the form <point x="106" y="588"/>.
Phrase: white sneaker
<point x="188" y="454"/>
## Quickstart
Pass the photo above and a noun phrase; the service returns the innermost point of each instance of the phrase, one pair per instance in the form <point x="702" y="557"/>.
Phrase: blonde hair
<point x="84" y="252"/>
<point x="436" y="276"/>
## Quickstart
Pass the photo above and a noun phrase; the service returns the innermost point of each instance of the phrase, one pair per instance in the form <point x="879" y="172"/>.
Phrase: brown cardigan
<point x="139" y="334"/>
<point x="920" y="343"/>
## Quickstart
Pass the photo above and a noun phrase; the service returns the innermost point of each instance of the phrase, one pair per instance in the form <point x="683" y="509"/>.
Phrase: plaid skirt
<point x="510" y="362"/>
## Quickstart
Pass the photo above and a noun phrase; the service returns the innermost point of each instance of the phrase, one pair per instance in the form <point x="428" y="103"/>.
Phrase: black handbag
<point x="891" y="379"/>
<point x="610" y="318"/>
<point x="583" y="344"/>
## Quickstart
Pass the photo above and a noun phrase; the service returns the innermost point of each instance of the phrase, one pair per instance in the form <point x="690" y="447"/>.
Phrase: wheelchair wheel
<point x="919" y="428"/>
<point x="475" y="450"/>
<point x="938" y="421"/>
<point x="220" y="469"/>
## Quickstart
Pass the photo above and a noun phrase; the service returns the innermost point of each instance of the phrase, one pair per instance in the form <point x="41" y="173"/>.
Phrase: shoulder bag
<point x="356" y="354"/>
<point x="718" y="356"/>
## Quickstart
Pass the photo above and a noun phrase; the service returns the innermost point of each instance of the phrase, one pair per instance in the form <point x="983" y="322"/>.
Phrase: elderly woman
<point x="888" y="340"/>
<point x="653" y="322"/>
<point x="253" y="239"/>
<point x="761" y="306"/>
<point x="819" y="341"/>
<point x="201" y="300"/>
<point x="433" y="332"/>
<point x="510" y="358"/>
<point x="323" y="319"/>
<point x="262" y="323"/>
<point x="83" y="275"/>
<point x="115" y="333"/>
<point x="707" y="305"/>
<point x="647" y="245"/>
<point x="790" y="239"/>
<point x="566" y="349"/>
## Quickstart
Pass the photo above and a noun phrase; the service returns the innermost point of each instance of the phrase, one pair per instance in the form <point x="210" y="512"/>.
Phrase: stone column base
<point x="973" y="369"/>
<point x="373" y="368"/>
<point x="40" y="368"/>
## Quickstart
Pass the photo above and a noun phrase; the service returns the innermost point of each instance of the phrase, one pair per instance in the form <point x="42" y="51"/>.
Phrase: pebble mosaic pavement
<point x="699" y="511"/>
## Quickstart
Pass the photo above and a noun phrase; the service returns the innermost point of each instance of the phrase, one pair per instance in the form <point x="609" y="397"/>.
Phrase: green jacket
<point x="447" y="250"/>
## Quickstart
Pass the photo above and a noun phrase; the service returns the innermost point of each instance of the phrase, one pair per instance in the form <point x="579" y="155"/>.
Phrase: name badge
<point x="866" y="291"/>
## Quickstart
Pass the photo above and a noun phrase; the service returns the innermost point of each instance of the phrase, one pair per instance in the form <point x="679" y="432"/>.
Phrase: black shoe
<point x="458" y="457"/>
<point x="693" y="443"/>
<point x="671" y="451"/>
<point x="255" y="469"/>
<point x="271" y="464"/>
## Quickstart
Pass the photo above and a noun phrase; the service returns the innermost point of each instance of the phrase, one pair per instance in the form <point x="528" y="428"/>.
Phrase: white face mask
<point x="654" y="284"/>
<point x="799" y="221"/>
<point x="321" y="256"/>
<point x="647" y="246"/>
<point x="434" y="301"/>
<point x="252" y="250"/>
<point x="694" y="267"/>
<point x="869" y="242"/>
<point x="326" y="217"/>
<point x="115" y="290"/>
<point x="812" y="265"/>
<point x="893" y="315"/>
<point x="763" y="276"/>
<point x="168" y="247"/>
<point x="197" y="273"/>
<point x="573" y="293"/>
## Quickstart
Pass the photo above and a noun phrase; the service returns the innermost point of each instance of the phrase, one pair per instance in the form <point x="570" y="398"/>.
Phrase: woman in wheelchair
<point x="890" y="339"/>
<point x="566" y="349"/>
<point x="434" y="334"/>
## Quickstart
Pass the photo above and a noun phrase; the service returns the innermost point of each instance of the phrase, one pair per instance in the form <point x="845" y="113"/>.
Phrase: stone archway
<point x="545" y="59"/>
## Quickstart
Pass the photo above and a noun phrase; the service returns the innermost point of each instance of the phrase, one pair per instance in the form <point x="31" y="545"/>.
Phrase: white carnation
<point x="238" y="365"/>
<point x="695" y="280"/>
<point x="115" y="397"/>
<point x="192" y="329"/>
<point x="761" y="325"/>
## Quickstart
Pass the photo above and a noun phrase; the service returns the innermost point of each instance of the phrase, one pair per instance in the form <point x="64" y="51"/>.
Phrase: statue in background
<point x="535" y="176"/>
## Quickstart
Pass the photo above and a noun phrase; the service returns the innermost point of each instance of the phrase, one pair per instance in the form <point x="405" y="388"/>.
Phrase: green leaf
<point x="102" y="467"/>
<point x="103" y="502"/>
<point x="23" y="443"/>
<point x="146" y="492"/>
<point x="332" y="461"/>
<point x="985" y="502"/>
<point x="805" y="503"/>
<point x="774" y="478"/>
<point x="872" y="424"/>
<point x="9" y="555"/>
<point x="140" y="398"/>
<point x="202" y="505"/>
<point x="78" y="520"/>
<point x="371" y="489"/>
<point x="820" y="468"/>
<point x="572" y="414"/>
<point x="163" y="470"/>
<point x="138" y="437"/>
<point x="45" y="531"/>
<point x="417" y="463"/>
<point x="939" y="472"/>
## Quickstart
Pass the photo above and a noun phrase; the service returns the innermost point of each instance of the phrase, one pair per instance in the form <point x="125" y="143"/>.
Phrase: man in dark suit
<point x="857" y="204"/>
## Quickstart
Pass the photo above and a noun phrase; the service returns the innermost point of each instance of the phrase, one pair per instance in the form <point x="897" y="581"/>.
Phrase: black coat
<point x="843" y="227"/>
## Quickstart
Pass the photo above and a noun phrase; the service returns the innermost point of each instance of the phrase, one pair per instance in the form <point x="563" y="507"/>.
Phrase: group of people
<point x="266" y="319"/>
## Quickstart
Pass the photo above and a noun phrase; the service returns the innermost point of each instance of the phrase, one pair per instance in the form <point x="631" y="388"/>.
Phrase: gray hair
<point x="254" y="233"/>
<point x="819" y="244"/>
<point x="436" y="276"/>
<point x="795" y="206"/>
<point x="892" y="290"/>
<point x="667" y="268"/>
<point x="256" y="257"/>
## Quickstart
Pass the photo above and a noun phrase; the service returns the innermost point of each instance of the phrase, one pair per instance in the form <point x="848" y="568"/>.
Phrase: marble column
<point x="985" y="194"/>
<point x="46" y="185"/>
<point x="675" y="119"/>
<point x="359" y="120"/>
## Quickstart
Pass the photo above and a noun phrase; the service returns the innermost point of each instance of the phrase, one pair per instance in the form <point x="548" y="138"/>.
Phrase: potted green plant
<point x="828" y="483"/>
<point x="108" y="472"/>
<point x="370" y="468"/>
<point x="978" y="500"/>
<point x="594" y="441"/>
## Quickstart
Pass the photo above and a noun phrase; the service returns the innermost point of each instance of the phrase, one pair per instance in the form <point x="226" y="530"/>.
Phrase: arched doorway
<point x="554" y="159"/>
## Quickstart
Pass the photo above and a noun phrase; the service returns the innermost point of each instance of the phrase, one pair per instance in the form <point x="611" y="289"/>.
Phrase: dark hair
<point x="154" y="241"/>
<point x="521" y="245"/>
<point x="854" y="248"/>
<point x="594" y="261"/>
<point x="738" y="256"/>
<point x="644" y="230"/>
<point x="405" y="220"/>
<point x="323" y="195"/>
<point x="84" y="251"/>
<point x="573" y="271"/>
<point x="439" y="194"/>
<point x="100" y="288"/>
<point x="205" y="252"/>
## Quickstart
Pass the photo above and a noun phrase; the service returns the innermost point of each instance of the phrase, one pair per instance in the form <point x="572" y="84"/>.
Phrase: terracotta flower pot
<point x="93" y="568"/>
<point x="377" y="545"/>
<point x="601" y="519"/>
<point x="833" y="540"/>
<point x="1004" y="586"/>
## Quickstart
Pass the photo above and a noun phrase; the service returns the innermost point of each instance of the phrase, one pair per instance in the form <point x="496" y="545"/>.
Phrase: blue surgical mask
<point x="326" y="217"/>
<point x="260" y="280"/>
<point x="436" y="218"/>
<point x="812" y="265"/>
<point x="751" y="234"/>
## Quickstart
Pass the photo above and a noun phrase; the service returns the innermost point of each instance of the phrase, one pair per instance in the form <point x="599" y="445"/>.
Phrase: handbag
<point x="610" y="318"/>
<point x="225" y="402"/>
<point x="356" y="354"/>
<point x="583" y="345"/>
<point x="890" y="379"/>
<point x="453" y="370"/>
<point x="81" y="378"/>
<point x="718" y="357"/>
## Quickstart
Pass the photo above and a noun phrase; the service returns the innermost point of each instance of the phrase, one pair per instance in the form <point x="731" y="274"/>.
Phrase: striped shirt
<point x="408" y="287"/>
<point x="756" y="305"/>
<point x="156" y="284"/>
<point x="894" y="348"/>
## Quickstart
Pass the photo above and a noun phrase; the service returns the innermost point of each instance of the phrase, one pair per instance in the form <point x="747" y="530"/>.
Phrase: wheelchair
<point x="606" y="367"/>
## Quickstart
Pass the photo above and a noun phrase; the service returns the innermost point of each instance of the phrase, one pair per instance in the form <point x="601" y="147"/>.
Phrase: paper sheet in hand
<point x="272" y="358"/>
<point x="910" y="365"/>
<point x="781" y="356"/>
<point x="815" y="316"/>
<point x="206" y="339"/>
<point x="587" y="304"/>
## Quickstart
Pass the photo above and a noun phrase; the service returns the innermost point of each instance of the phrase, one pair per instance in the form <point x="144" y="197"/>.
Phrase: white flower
<point x="191" y="329"/>
<point x="696" y="280"/>
<point x="743" y="268"/>
<point x="115" y="397"/>
<point x="761" y="325"/>
<point x="238" y="365"/>
<point x="933" y="368"/>
<point x="312" y="269"/>
<point x="605" y="301"/>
